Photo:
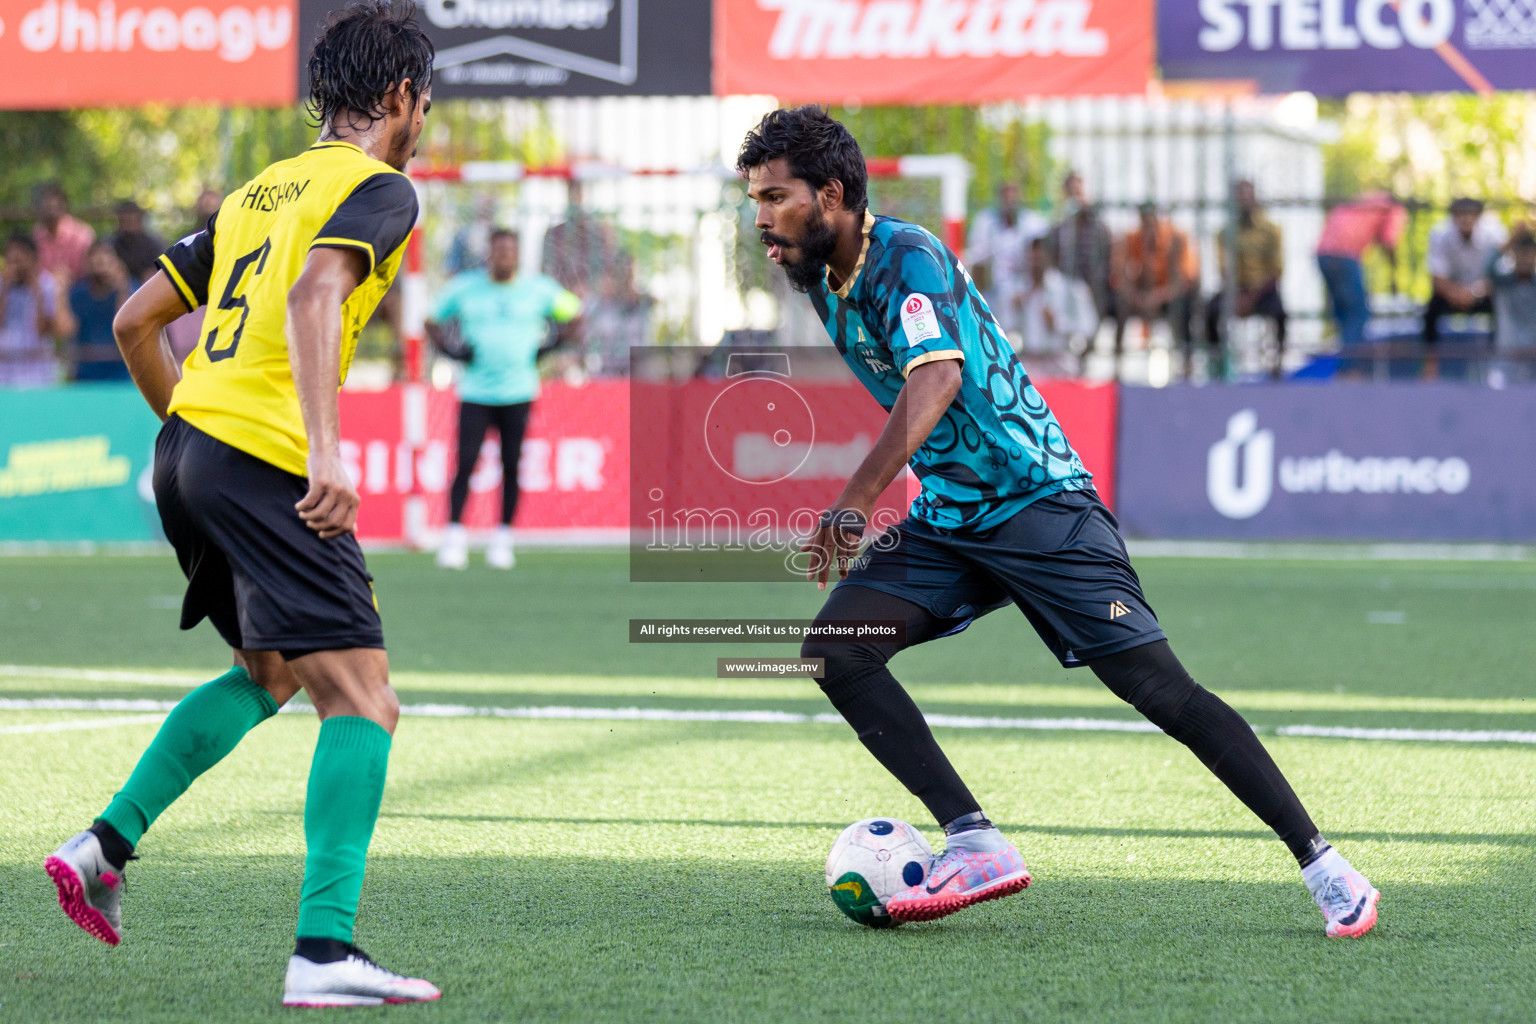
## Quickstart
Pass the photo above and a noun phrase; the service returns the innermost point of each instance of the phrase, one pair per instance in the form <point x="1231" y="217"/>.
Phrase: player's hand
<point x="834" y="543"/>
<point x="330" y="507"/>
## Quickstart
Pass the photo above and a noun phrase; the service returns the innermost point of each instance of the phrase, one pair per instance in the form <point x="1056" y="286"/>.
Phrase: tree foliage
<point x="1427" y="150"/>
<point x="162" y="157"/>
<point x="998" y="141"/>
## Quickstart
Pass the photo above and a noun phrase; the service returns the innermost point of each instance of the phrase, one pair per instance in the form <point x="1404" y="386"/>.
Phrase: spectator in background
<point x="1512" y="285"/>
<point x="61" y="239"/>
<point x="1154" y="272"/>
<point x="93" y="301"/>
<point x="1260" y="260"/>
<point x="137" y="248"/>
<point x="997" y="255"/>
<point x="581" y="250"/>
<point x="471" y="243"/>
<point x="495" y="323"/>
<point x="1080" y="244"/>
<point x="615" y="321"/>
<point x="208" y="202"/>
<point x="584" y="253"/>
<point x="1461" y="249"/>
<point x="1057" y="312"/>
<point x="33" y="316"/>
<point x="1375" y="218"/>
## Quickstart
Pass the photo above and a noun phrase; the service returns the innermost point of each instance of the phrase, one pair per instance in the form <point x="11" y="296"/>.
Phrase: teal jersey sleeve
<point x="919" y="307"/>
<point x="447" y="306"/>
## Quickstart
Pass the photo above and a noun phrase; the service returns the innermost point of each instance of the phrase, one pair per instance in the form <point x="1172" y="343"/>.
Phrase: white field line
<point x="633" y="714"/>
<point x="97" y="675"/>
<point x="87" y="723"/>
<point x="1411" y="735"/>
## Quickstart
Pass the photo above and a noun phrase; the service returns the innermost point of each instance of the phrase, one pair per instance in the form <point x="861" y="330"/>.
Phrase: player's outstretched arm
<point x="137" y="328"/>
<point x="923" y="400"/>
<point x="314" y="353"/>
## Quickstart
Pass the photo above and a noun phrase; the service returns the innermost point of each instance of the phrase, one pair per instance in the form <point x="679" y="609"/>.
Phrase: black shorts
<point x="265" y="580"/>
<point x="1061" y="560"/>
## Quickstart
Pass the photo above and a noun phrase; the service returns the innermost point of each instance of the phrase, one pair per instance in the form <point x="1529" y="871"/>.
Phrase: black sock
<point x="967" y="823"/>
<point x="1316" y="847"/>
<point x="1151" y="679"/>
<point x="1226" y="744"/>
<point x="322" y="951"/>
<point x="114" y="847"/>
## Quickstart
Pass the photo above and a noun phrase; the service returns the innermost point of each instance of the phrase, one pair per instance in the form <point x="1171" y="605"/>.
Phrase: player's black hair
<point x="818" y="149"/>
<point x="502" y="233"/>
<point x="22" y="239"/>
<point x="363" y="51"/>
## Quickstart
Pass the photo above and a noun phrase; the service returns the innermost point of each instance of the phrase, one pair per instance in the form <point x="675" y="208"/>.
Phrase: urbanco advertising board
<point x="1367" y="462"/>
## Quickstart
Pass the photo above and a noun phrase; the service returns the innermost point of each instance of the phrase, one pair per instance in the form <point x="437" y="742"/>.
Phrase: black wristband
<point x="847" y="520"/>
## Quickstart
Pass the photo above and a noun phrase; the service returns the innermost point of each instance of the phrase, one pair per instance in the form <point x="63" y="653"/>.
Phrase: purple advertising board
<point x="1366" y="462"/>
<point x="1335" y="47"/>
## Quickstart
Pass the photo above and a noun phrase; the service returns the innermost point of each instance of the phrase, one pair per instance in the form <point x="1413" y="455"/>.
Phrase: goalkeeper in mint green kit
<point x="501" y="322"/>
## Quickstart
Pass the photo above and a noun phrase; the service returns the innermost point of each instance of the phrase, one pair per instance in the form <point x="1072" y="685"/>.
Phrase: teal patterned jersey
<point x="998" y="447"/>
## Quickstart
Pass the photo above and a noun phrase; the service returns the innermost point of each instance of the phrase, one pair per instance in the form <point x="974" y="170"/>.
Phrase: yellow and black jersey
<point x="237" y="384"/>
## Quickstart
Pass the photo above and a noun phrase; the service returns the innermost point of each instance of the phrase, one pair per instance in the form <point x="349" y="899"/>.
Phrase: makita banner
<point x="112" y="53"/>
<point x="557" y="47"/>
<point x="1334" y="47"/>
<point x="931" y="51"/>
<point x="1421" y="462"/>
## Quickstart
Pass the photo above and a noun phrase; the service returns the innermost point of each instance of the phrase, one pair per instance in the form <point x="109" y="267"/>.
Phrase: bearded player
<point x="252" y="493"/>
<point x="1007" y="513"/>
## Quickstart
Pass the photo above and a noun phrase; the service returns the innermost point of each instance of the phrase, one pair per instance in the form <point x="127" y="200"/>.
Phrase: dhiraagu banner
<point x="75" y="464"/>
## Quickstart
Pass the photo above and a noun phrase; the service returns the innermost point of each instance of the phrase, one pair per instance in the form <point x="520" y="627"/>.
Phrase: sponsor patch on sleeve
<point x="918" y="319"/>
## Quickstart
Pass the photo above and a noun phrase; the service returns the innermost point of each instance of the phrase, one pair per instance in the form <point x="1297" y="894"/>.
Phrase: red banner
<point x="116" y="53"/>
<point x="575" y="471"/>
<point x="931" y="51"/>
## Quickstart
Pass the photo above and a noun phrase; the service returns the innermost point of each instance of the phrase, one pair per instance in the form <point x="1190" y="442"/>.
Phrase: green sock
<point x="346" y="785"/>
<point x="201" y="729"/>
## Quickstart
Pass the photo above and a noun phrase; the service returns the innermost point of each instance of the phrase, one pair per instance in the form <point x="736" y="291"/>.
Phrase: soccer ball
<point x="872" y="861"/>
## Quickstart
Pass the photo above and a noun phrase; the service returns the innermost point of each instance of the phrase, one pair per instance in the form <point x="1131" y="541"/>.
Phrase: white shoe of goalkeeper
<point x="498" y="554"/>
<point x="353" y="981"/>
<point x="454" y="551"/>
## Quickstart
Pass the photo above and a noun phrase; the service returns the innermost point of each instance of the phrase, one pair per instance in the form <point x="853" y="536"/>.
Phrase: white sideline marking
<point x="89" y="723"/>
<point x="780" y="718"/>
<point x="1411" y="735"/>
<point x="99" y="675"/>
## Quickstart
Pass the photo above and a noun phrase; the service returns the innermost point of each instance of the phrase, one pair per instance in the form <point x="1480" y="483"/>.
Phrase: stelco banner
<point x="112" y="53"/>
<point x="931" y="51"/>
<point x="1334" y="47"/>
<point x="558" y="47"/>
<point x="1426" y="463"/>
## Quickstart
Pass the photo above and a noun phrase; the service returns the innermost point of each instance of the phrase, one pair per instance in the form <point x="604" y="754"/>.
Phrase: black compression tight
<point x="1148" y="677"/>
<point x="510" y="421"/>
<point x="1151" y="680"/>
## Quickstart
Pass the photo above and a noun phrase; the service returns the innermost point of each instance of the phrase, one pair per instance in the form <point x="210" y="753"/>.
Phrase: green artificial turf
<point x="672" y="870"/>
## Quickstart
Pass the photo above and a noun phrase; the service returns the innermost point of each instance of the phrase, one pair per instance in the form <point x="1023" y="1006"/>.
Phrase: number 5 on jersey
<point x="231" y="301"/>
